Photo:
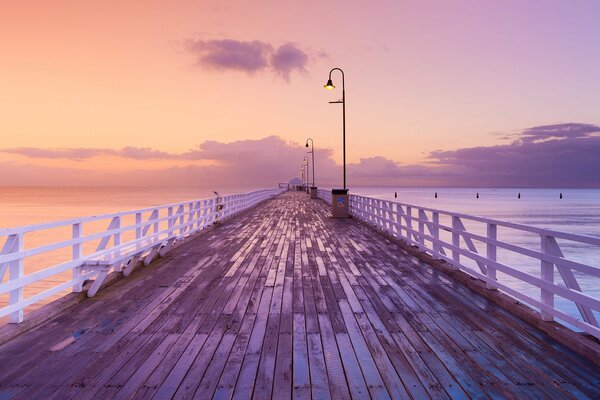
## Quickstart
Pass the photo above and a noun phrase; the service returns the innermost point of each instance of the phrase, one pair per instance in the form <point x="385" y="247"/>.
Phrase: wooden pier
<point x="283" y="301"/>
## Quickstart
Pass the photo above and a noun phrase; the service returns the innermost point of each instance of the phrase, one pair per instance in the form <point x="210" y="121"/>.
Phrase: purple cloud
<point x="231" y="54"/>
<point x="248" y="56"/>
<point x="558" y="131"/>
<point x="562" y="155"/>
<point x="287" y="58"/>
<point x="79" y="154"/>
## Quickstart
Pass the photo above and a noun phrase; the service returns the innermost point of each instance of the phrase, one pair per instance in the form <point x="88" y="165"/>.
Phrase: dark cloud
<point x="248" y="56"/>
<point x="287" y="58"/>
<point x="558" y="131"/>
<point x="562" y="155"/>
<point x="231" y="54"/>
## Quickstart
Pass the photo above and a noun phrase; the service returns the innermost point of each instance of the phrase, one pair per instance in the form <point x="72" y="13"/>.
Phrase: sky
<point x="192" y="93"/>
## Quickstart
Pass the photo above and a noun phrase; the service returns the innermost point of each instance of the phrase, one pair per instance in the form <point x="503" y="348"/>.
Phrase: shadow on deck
<point x="284" y="301"/>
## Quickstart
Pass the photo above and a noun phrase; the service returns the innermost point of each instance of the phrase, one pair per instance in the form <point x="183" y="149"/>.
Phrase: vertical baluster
<point x="409" y="234"/>
<point x="170" y="221"/>
<point x="547" y="274"/>
<point x="16" y="272"/>
<point x="198" y="214"/>
<point x="435" y="230"/>
<point x="421" y="214"/>
<point x="455" y="239"/>
<point x="155" y="225"/>
<point x="386" y="217"/>
<point x="399" y="221"/>
<point x="117" y="235"/>
<point x="138" y="224"/>
<point x="492" y="234"/>
<point x="190" y="216"/>
<point x="76" y="254"/>
<point x="180" y="213"/>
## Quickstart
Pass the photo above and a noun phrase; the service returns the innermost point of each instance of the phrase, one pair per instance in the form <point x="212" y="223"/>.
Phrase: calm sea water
<point x="577" y="212"/>
<point x="21" y="206"/>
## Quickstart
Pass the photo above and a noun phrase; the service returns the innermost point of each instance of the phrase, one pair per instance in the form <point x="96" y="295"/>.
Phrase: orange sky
<point x="420" y="77"/>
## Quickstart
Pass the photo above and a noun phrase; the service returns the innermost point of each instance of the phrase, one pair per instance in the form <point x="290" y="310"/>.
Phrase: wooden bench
<point x="125" y="259"/>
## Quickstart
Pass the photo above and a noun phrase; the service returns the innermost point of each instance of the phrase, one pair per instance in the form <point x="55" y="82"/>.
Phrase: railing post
<point x="409" y="225"/>
<point x="455" y="239"/>
<point x="117" y="236"/>
<point x="492" y="234"/>
<point x="387" y="216"/>
<point x="421" y="214"/>
<point x="76" y="255"/>
<point x="156" y="223"/>
<point x="198" y="214"/>
<point x="138" y="223"/>
<point x="399" y="221"/>
<point x="435" y="220"/>
<point x="547" y="274"/>
<point x="180" y="212"/>
<point x="170" y="221"/>
<point x="16" y="272"/>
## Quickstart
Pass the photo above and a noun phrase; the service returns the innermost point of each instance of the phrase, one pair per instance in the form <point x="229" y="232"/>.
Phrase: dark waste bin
<point x="313" y="192"/>
<point x="340" y="206"/>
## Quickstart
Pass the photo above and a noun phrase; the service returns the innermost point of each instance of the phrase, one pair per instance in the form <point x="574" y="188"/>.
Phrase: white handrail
<point x="452" y="242"/>
<point x="152" y="227"/>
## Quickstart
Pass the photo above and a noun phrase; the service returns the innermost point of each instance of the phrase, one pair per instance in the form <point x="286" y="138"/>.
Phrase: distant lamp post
<point x="339" y="201"/>
<point x="306" y="165"/>
<point x="313" y="188"/>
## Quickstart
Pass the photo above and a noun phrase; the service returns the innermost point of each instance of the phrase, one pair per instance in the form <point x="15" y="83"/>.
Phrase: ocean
<point x="578" y="211"/>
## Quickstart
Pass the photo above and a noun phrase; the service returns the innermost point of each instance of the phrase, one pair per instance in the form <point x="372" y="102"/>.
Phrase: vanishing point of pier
<point x="284" y="302"/>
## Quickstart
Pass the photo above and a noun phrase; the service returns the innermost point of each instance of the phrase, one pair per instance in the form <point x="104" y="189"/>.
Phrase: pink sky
<point x="189" y="88"/>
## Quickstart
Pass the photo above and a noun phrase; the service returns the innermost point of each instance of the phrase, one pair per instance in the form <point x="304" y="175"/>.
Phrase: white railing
<point x="482" y="248"/>
<point x="110" y="237"/>
<point x="324" y="195"/>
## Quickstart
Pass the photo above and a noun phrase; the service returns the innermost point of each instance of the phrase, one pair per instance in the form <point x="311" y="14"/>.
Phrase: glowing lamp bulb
<point x="329" y="85"/>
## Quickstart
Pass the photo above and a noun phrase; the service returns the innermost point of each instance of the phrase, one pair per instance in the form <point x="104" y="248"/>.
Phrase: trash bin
<point x="339" y="203"/>
<point x="313" y="192"/>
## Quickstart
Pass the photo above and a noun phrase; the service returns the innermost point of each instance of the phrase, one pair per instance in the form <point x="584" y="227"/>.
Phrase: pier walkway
<point x="283" y="301"/>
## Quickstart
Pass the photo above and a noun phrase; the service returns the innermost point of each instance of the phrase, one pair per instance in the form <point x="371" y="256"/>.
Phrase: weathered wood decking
<point x="285" y="302"/>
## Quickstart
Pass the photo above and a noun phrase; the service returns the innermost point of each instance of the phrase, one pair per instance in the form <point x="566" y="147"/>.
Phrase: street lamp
<point x="306" y="165"/>
<point x="312" y="151"/>
<point x="339" y="197"/>
<point x="313" y="188"/>
<point x="329" y="85"/>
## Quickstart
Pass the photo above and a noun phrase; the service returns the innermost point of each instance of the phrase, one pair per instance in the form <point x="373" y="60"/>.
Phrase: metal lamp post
<point x="339" y="201"/>
<point x="313" y="188"/>
<point x="306" y="165"/>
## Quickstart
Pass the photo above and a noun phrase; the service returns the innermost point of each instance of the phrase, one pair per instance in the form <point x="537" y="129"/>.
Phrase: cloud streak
<point x="79" y="154"/>
<point x="560" y="155"/>
<point x="248" y="56"/>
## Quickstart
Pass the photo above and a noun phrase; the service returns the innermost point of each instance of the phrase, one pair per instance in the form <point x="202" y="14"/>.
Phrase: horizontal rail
<point x="459" y="239"/>
<point x="128" y="236"/>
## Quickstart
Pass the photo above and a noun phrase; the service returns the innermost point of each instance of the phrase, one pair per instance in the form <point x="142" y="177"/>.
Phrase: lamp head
<point x="306" y="144"/>
<point x="329" y="85"/>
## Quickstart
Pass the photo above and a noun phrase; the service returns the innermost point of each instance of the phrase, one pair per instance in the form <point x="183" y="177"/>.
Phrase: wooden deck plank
<point x="281" y="302"/>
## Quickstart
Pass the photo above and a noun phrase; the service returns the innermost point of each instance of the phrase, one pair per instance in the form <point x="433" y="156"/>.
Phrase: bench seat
<point x="125" y="259"/>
